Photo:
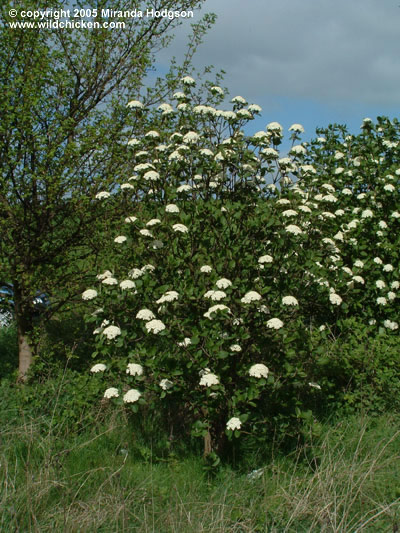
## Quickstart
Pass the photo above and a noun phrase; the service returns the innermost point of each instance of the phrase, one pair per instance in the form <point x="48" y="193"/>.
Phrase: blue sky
<point x="312" y="62"/>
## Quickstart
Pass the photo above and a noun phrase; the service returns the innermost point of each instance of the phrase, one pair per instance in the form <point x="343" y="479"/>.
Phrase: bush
<point x="218" y="290"/>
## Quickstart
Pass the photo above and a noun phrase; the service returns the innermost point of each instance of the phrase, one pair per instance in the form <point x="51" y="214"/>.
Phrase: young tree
<point x="64" y="124"/>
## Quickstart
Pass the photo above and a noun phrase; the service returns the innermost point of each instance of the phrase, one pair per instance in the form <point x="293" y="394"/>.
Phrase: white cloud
<point x="346" y="51"/>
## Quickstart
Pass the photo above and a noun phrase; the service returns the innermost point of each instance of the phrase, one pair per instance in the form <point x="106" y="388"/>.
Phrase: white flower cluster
<point x="233" y="423"/>
<point x="89" y="294"/>
<point x="259" y="371"/>
<point x="208" y="379"/>
<point x="134" y="369"/>
<point x="251" y="296"/>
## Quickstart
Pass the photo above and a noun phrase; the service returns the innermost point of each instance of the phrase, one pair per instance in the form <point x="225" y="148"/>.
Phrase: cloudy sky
<point x="313" y="62"/>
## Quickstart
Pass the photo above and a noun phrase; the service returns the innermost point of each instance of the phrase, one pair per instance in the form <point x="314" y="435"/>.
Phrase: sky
<point x="313" y="62"/>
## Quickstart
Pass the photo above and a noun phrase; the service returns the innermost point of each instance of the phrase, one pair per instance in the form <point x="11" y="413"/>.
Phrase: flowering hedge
<point x="231" y="257"/>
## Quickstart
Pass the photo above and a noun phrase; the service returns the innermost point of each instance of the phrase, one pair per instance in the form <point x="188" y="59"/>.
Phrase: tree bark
<point x="25" y="355"/>
<point x="24" y="318"/>
<point x="207" y="444"/>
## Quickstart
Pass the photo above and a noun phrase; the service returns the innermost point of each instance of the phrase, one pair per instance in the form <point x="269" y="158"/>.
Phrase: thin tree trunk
<point x="207" y="444"/>
<point x="24" y="318"/>
<point x="25" y="355"/>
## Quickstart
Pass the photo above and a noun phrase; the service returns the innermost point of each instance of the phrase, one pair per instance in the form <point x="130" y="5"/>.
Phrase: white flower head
<point x="289" y="213"/>
<point x="254" y="108"/>
<point x="132" y="396"/>
<point x="89" y="294"/>
<point x="171" y="208"/>
<point x="155" y="326"/>
<point x="104" y="275"/>
<point x="289" y="300"/>
<point x="151" y="175"/>
<point x="217" y="90"/>
<point x="169" y="296"/>
<point x="274" y="323"/>
<point x="265" y="259"/>
<point x="127" y="186"/>
<point x="153" y="222"/>
<point x="145" y="314"/>
<point x="120" y="239"/>
<point x="295" y="230"/>
<point x="135" y="104"/>
<point x="298" y="149"/>
<point x="148" y="268"/>
<point x="314" y="385"/>
<point x="186" y="342"/>
<point x="389" y="187"/>
<point x="367" y="213"/>
<point x="184" y="188"/>
<point x="145" y="233"/>
<point x="233" y="423"/>
<point x="238" y="100"/>
<point x="127" y="284"/>
<point x="391" y="325"/>
<point x="111" y="332"/>
<point x="136" y="273"/>
<point x="152" y="134"/>
<point x="275" y="127"/>
<point x="235" y="348"/>
<point x="134" y="369"/>
<point x="112" y="392"/>
<point x="251" y="296"/>
<point x="297" y="128"/>
<point x="166" y="384"/>
<point x="102" y="195"/>
<point x="214" y="309"/>
<point x="223" y="283"/>
<point x="181" y="228"/>
<point x="188" y="80"/>
<point x="259" y="371"/>
<point x="216" y="296"/>
<point x="206" y="269"/>
<point x="98" y="368"/>
<point x="165" y="108"/>
<point x="335" y="299"/>
<point x="209" y="379"/>
<point x="191" y="137"/>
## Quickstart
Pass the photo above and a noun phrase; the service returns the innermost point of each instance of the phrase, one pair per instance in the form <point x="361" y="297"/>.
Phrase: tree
<point x="64" y="124"/>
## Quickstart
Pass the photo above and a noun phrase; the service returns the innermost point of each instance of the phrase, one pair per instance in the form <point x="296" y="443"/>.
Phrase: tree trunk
<point x="24" y="318"/>
<point x="207" y="444"/>
<point x="25" y="355"/>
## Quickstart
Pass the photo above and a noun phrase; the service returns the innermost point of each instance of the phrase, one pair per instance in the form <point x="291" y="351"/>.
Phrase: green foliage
<point x="359" y="369"/>
<point x="8" y="349"/>
<point x="63" y="97"/>
<point x="225" y="306"/>
<point x="66" y="400"/>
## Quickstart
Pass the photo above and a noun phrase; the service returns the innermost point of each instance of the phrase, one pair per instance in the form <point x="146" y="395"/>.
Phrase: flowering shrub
<point x="287" y="246"/>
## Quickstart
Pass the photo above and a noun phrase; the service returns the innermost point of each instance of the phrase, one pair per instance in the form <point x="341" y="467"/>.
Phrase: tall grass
<point x="346" y="481"/>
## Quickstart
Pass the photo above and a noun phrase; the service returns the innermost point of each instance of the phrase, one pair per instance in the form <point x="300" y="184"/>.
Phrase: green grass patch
<point x="346" y="480"/>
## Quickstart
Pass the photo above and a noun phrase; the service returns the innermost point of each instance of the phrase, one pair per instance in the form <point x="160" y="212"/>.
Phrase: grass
<point x="70" y="467"/>
<point x="346" y="481"/>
